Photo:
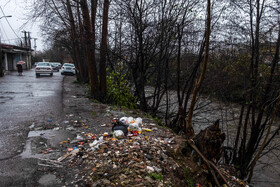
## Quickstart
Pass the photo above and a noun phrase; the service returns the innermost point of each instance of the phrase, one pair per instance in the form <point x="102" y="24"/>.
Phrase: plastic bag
<point x="118" y="134"/>
<point x="118" y="125"/>
<point x="124" y="120"/>
<point x="134" y="126"/>
<point x="130" y="120"/>
<point x="139" y="121"/>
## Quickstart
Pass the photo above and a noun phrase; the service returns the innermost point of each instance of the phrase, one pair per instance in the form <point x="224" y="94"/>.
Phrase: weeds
<point x="155" y="176"/>
<point x="189" y="178"/>
<point x="118" y="91"/>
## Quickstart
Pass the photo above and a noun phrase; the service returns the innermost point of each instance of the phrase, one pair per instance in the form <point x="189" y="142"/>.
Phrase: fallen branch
<point x="47" y="165"/>
<point x="49" y="161"/>
<point x="191" y="143"/>
<point x="219" y="172"/>
<point x="72" y="153"/>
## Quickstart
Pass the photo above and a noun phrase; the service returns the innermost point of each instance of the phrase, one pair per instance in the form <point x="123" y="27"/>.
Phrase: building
<point x="11" y="54"/>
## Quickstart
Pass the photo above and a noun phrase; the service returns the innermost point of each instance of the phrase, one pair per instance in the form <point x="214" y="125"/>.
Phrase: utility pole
<point x="29" y="40"/>
<point x="25" y="39"/>
<point x="35" y="46"/>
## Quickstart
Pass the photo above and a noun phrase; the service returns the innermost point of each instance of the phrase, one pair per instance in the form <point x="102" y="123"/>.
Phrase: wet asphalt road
<point x="24" y="99"/>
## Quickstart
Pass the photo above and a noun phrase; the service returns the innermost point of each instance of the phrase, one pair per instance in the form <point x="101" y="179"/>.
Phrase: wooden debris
<point x="191" y="143"/>
<point x="72" y="153"/>
<point x="210" y="142"/>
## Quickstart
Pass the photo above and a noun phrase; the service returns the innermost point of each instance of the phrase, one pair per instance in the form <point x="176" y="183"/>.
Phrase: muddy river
<point x="267" y="170"/>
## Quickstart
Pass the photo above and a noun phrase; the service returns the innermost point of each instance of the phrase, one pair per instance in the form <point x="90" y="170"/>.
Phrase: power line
<point x="4" y="32"/>
<point x="10" y="39"/>
<point x="8" y="22"/>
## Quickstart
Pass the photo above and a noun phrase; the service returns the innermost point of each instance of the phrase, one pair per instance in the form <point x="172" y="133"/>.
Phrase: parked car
<point x="59" y="64"/>
<point x="43" y="68"/>
<point x="68" y="69"/>
<point x="55" y="66"/>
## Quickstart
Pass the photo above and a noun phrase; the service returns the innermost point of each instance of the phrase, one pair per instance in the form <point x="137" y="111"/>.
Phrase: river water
<point x="207" y="111"/>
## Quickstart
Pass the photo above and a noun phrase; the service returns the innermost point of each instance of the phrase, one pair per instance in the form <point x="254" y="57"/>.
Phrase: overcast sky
<point x="18" y="10"/>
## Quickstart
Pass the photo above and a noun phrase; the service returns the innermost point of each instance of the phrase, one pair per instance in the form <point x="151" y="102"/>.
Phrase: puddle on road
<point x="44" y="133"/>
<point x="44" y="93"/>
<point x="54" y="137"/>
<point x="27" y="152"/>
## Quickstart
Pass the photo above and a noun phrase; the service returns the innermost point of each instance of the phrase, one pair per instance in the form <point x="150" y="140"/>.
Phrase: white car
<point x="68" y="69"/>
<point x="43" y="68"/>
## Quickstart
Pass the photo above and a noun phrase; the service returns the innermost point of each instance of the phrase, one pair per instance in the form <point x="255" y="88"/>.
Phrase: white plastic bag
<point x="139" y="121"/>
<point x="118" y="134"/>
<point x="124" y="120"/>
<point x="130" y="119"/>
<point x="134" y="126"/>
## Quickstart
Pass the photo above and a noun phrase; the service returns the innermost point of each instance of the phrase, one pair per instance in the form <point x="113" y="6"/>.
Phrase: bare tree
<point x="103" y="49"/>
<point x="75" y="43"/>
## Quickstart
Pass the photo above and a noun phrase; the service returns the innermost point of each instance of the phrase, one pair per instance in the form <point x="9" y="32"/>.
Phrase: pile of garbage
<point x="133" y="153"/>
<point x="128" y="155"/>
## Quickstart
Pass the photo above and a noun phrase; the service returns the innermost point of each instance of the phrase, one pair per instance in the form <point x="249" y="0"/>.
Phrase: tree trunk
<point x="90" y="49"/>
<point x="82" y="41"/>
<point x="73" y="33"/>
<point x="140" y="88"/>
<point x="210" y="142"/>
<point x="93" y="20"/>
<point x="103" y="52"/>
<point x="248" y="149"/>
<point x="264" y="142"/>
<point x="189" y="126"/>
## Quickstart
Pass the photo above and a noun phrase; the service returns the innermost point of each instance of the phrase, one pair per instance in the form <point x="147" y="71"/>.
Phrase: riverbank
<point x="208" y="110"/>
<point x="152" y="158"/>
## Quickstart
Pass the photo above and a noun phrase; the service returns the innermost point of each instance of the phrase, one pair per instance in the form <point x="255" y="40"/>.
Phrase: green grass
<point x="156" y="119"/>
<point x="155" y="176"/>
<point x="189" y="178"/>
<point x="95" y="101"/>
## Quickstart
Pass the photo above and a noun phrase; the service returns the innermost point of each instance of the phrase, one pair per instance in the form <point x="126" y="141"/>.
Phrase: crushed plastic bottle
<point x="139" y="130"/>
